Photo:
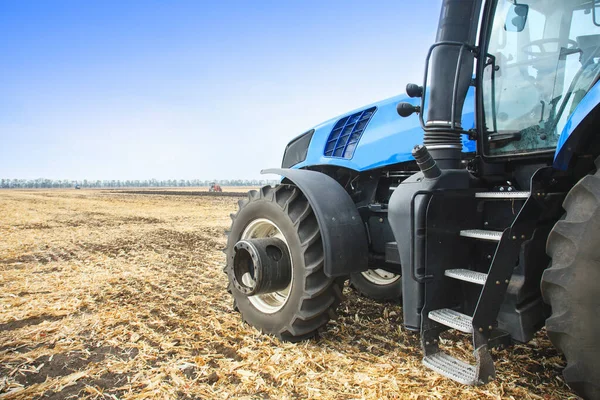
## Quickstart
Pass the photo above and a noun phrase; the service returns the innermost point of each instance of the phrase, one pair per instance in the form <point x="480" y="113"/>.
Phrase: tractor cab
<point x="541" y="60"/>
<point x="531" y="63"/>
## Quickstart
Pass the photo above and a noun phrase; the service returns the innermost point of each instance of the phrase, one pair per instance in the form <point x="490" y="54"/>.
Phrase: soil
<point x="121" y="294"/>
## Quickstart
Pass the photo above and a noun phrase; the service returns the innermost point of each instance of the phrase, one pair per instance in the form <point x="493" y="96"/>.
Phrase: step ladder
<point x="493" y="286"/>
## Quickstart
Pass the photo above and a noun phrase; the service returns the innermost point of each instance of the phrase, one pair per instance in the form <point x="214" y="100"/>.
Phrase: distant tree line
<point x="66" y="183"/>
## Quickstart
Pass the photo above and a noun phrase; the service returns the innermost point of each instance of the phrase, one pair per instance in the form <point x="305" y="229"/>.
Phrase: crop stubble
<point x="106" y="294"/>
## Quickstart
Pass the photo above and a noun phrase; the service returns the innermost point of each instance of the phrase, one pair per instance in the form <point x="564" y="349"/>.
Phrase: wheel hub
<point x="261" y="266"/>
<point x="267" y="303"/>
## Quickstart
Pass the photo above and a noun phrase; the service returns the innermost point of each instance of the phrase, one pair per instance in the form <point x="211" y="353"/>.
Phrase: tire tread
<point x="321" y="294"/>
<point x="573" y="248"/>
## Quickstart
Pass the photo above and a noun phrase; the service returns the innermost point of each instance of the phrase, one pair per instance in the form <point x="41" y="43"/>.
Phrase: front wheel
<point x="286" y="295"/>
<point x="571" y="285"/>
<point x="378" y="284"/>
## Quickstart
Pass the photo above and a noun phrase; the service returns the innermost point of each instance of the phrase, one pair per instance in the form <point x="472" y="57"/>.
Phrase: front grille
<point x="346" y="133"/>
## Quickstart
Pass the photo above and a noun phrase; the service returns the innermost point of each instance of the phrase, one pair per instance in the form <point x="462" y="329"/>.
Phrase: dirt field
<point x="112" y="295"/>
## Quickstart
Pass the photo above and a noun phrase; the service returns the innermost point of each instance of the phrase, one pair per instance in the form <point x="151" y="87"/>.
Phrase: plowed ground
<point x="114" y="295"/>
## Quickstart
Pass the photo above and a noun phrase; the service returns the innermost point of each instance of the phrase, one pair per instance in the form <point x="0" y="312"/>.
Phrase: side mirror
<point x="596" y="12"/>
<point x="516" y="18"/>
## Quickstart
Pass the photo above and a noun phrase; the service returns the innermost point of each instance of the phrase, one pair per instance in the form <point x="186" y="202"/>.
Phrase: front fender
<point x="345" y="245"/>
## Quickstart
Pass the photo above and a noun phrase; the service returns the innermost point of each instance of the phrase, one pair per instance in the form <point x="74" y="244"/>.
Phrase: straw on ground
<point x="113" y="295"/>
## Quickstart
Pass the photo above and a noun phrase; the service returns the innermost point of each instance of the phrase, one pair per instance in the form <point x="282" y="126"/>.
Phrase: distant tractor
<point x="214" y="187"/>
<point x="490" y="227"/>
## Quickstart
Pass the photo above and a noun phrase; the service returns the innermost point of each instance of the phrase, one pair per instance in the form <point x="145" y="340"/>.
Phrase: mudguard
<point x="344" y="238"/>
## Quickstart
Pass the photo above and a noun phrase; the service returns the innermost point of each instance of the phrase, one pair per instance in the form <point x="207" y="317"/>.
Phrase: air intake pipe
<point x="458" y="23"/>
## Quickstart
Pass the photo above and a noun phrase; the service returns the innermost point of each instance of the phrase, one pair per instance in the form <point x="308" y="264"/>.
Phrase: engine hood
<point x="385" y="140"/>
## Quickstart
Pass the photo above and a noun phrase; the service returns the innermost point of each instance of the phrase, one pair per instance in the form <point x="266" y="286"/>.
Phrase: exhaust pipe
<point x="425" y="162"/>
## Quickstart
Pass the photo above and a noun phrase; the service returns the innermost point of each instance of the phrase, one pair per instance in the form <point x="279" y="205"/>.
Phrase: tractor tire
<point x="377" y="284"/>
<point x="571" y="285"/>
<point x="309" y="302"/>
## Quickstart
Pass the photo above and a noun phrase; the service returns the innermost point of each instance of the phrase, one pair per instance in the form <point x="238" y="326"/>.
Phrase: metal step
<point x="502" y="195"/>
<point x="452" y="368"/>
<point x="467" y="275"/>
<point x="493" y="236"/>
<point x="453" y="319"/>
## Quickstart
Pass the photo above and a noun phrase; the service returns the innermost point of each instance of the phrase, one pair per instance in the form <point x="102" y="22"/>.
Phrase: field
<point x="106" y="294"/>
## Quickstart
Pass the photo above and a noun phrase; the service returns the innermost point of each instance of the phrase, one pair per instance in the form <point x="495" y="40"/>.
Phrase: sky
<point x="196" y="89"/>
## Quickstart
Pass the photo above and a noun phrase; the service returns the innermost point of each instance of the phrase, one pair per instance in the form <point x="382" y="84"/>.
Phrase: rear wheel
<point x="306" y="303"/>
<point x="378" y="284"/>
<point x="571" y="285"/>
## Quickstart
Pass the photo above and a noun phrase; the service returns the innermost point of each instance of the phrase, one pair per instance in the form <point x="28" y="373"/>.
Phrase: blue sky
<point x="191" y="89"/>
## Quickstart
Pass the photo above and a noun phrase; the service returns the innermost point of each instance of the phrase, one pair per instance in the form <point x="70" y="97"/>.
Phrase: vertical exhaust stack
<point x="458" y="23"/>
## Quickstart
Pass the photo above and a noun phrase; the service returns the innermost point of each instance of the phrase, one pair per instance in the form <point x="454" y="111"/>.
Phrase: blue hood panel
<point x="571" y="134"/>
<point x="388" y="139"/>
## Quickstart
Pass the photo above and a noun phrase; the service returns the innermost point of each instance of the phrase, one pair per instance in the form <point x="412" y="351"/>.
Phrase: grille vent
<point x="346" y="133"/>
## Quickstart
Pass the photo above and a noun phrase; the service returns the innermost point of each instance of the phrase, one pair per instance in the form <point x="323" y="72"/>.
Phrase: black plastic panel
<point x="296" y="150"/>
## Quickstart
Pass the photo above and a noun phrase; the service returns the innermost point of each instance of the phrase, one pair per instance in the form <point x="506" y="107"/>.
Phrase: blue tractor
<point x="482" y="210"/>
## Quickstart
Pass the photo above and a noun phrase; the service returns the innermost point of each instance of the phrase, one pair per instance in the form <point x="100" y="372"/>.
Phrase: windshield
<point x="544" y="60"/>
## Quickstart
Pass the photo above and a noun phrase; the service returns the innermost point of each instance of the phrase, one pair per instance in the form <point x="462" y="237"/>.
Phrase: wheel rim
<point x="270" y="302"/>
<point x="380" y="276"/>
